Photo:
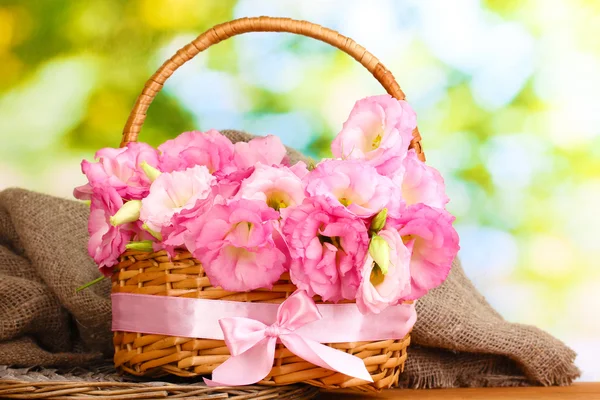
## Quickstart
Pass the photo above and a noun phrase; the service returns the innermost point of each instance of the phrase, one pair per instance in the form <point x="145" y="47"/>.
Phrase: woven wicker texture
<point x="156" y="355"/>
<point x="99" y="384"/>
<point x="259" y="24"/>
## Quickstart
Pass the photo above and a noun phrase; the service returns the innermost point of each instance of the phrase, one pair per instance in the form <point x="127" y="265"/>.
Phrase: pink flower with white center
<point x="173" y="192"/>
<point x="435" y="245"/>
<point x="120" y="169"/>
<point x="211" y="149"/>
<point x="421" y="183"/>
<point x="279" y="187"/>
<point x="378" y="130"/>
<point x="266" y="150"/>
<point x="354" y="184"/>
<point x="236" y="247"/>
<point x="107" y="242"/>
<point x="327" y="246"/>
<point x="380" y="289"/>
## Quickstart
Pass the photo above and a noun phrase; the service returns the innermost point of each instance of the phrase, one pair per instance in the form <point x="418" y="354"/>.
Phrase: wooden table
<point x="578" y="391"/>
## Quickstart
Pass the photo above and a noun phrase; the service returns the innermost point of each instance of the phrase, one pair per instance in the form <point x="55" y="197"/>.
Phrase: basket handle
<point x="259" y="24"/>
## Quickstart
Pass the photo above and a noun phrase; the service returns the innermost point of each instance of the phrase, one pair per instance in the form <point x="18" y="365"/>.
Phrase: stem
<point x="87" y="285"/>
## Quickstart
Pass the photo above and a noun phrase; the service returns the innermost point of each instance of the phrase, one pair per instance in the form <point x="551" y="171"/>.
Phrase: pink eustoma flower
<point x="279" y="187"/>
<point x="119" y="169"/>
<point x="299" y="169"/>
<point x="266" y="150"/>
<point x="327" y="246"/>
<point x="173" y="234"/>
<point x="107" y="242"/>
<point x="421" y="183"/>
<point x="435" y="245"/>
<point x="173" y="192"/>
<point x="377" y="290"/>
<point x="211" y="149"/>
<point x="228" y="185"/>
<point x="354" y="184"/>
<point x="235" y="245"/>
<point x="378" y="130"/>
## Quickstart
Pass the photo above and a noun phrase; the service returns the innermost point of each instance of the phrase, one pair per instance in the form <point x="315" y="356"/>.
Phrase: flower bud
<point x="144" y="245"/>
<point x="155" y="234"/>
<point x="379" y="249"/>
<point x="129" y="212"/>
<point x="151" y="172"/>
<point x="379" y="221"/>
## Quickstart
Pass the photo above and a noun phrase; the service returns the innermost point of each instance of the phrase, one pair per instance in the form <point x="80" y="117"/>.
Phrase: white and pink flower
<point x="380" y="289"/>
<point x="211" y="149"/>
<point x="119" y="169"/>
<point x="279" y="187"/>
<point x="378" y="130"/>
<point x="435" y="245"/>
<point x="353" y="184"/>
<point x="327" y="246"/>
<point x="421" y="183"/>
<point x="173" y="235"/>
<point x="236" y="247"/>
<point x="174" y="192"/>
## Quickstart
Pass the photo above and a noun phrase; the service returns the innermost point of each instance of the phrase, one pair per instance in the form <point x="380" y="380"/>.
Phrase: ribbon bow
<point x="252" y="345"/>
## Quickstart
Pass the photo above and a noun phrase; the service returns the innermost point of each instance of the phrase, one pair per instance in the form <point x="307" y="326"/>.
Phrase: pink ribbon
<point x="252" y="345"/>
<point x="251" y="330"/>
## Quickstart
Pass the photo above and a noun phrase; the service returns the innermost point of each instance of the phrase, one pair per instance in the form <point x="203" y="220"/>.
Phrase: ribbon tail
<point x="246" y="368"/>
<point x="326" y="357"/>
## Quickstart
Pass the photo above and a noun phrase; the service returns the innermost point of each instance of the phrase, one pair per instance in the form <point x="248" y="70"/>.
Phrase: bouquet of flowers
<point x="367" y="226"/>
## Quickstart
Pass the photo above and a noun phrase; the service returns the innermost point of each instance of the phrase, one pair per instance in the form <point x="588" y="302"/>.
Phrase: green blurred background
<point x="506" y="93"/>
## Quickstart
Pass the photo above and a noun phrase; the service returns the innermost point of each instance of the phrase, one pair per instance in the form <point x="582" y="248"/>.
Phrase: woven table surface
<point x="102" y="383"/>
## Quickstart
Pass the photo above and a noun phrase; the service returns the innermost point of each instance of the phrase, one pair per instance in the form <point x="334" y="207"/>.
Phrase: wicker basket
<point x="156" y="274"/>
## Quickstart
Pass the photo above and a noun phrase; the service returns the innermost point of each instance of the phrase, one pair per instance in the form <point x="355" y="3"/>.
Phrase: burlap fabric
<point x="458" y="340"/>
